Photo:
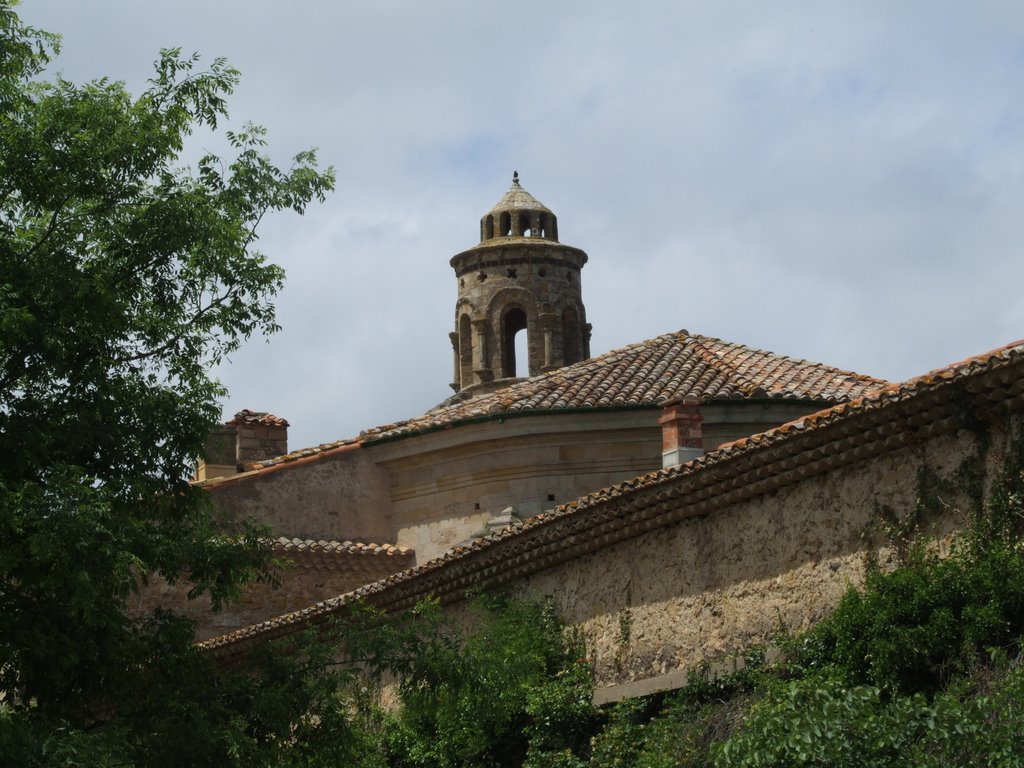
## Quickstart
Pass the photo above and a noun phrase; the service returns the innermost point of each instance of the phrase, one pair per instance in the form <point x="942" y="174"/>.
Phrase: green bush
<point x="514" y="689"/>
<point x="819" y="722"/>
<point x="971" y="728"/>
<point x="910" y="629"/>
<point x="620" y="741"/>
<point x="814" y="722"/>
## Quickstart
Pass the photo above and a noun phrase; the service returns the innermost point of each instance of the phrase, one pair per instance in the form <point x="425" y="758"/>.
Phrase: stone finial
<point x="515" y="178"/>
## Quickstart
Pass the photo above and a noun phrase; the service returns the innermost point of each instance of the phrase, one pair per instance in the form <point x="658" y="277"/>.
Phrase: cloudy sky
<point x="836" y="181"/>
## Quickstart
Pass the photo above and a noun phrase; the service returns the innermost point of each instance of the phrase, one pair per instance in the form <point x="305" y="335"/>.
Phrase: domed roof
<point x="518" y="199"/>
<point x="519" y="214"/>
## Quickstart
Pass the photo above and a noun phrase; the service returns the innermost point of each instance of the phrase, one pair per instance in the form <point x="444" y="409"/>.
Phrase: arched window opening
<point x="513" y="323"/>
<point x="543" y="224"/>
<point x="524" y="225"/>
<point x="488" y="227"/>
<point x="506" y="224"/>
<point x="522" y="354"/>
<point x="553" y="228"/>
<point x="571" y="348"/>
<point x="465" y="351"/>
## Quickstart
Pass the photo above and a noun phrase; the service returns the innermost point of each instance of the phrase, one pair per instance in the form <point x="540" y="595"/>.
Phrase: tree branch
<point x="50" y="229"/>
<point x="177" y="336"/>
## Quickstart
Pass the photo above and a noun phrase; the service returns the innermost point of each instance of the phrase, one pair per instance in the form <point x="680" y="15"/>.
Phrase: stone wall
<point x="337" y="497"/>
<point x="448" y="486"/>
<point x="676" y="568"/>
<point x="437" y="490"/>
<point x="305" y="578"/>
<point x="713" y="585"/>
<point x="724" y="421"/>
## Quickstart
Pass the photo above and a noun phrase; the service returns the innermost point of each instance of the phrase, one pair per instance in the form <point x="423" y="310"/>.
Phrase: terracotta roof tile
<point x="245" y="416"/>
<point x="287" y="545"/>
<point x="650" y="374"/>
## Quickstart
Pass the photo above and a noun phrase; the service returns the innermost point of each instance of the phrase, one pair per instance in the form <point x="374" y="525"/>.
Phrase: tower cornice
<point x="511" y="251"/>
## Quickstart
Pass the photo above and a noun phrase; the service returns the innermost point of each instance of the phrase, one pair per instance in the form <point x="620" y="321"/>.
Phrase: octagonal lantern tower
<point x="519" y="279"/>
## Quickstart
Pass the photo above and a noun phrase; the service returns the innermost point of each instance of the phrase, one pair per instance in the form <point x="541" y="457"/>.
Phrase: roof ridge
<point x="743" y="382"/>
<point x="568" y="373"/>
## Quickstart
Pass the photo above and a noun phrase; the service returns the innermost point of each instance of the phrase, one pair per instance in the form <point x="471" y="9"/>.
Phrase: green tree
<point x="510" y="689"/>
<point x="124" y="275"/>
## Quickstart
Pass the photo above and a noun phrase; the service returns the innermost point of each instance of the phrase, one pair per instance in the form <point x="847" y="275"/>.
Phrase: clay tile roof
<point x="870" y="425"/>
<point x="649" y="374"/>
<point x="262" y="418"/>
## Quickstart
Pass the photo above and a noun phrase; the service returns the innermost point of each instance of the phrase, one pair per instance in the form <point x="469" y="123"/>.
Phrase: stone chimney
<point x="681" y="438"/>
<point x="261" y="436"/>
<point x="248" y="437"/>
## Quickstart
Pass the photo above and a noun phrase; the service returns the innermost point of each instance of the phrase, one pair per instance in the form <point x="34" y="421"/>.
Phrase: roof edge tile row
<point x="324" y="547"/>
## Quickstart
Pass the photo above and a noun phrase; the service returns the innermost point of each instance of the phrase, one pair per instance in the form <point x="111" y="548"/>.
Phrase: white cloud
<point x="834" y="181"/>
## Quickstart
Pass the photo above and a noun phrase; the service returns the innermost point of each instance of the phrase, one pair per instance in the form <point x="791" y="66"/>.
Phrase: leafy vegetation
<point x="123" y="275"/>
<point x="514" y="690"/>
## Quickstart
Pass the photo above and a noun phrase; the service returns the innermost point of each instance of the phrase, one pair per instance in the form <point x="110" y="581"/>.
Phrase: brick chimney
<point x="681" y="438"/>
<point x="248" y="437"/>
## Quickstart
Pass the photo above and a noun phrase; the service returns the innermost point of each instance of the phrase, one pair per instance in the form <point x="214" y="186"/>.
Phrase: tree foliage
<point x="124" y="274"/>
<point x="512" y="689"/>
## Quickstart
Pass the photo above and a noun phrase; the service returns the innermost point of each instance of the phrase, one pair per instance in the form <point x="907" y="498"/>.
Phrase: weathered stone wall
<point x="673" y="569"/>
<point x="257" y="442"/>
<point x="340" y="497"/>
<point x="304" y="580"/>
<point x="446" y="486"/>
<point x="668" y="600"/>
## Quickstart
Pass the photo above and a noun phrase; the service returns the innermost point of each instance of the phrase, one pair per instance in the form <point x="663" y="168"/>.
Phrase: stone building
<point x="249" y="436"/>
<point x="518" y="437"/>
<point x="692" y="564"/>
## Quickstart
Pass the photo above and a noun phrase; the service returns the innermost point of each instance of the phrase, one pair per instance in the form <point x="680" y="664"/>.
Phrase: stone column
<point x="681" y="435"/>
<point x="547" y="324"/>
<point x="457" y="368"/>
<point x="481" y="363"/>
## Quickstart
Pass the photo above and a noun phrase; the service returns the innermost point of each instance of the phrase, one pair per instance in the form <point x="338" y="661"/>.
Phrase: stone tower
<point x="518" y="279"/>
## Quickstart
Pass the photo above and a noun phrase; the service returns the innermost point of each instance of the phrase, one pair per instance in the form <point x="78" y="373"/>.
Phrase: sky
<point x="835" y="181"/>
